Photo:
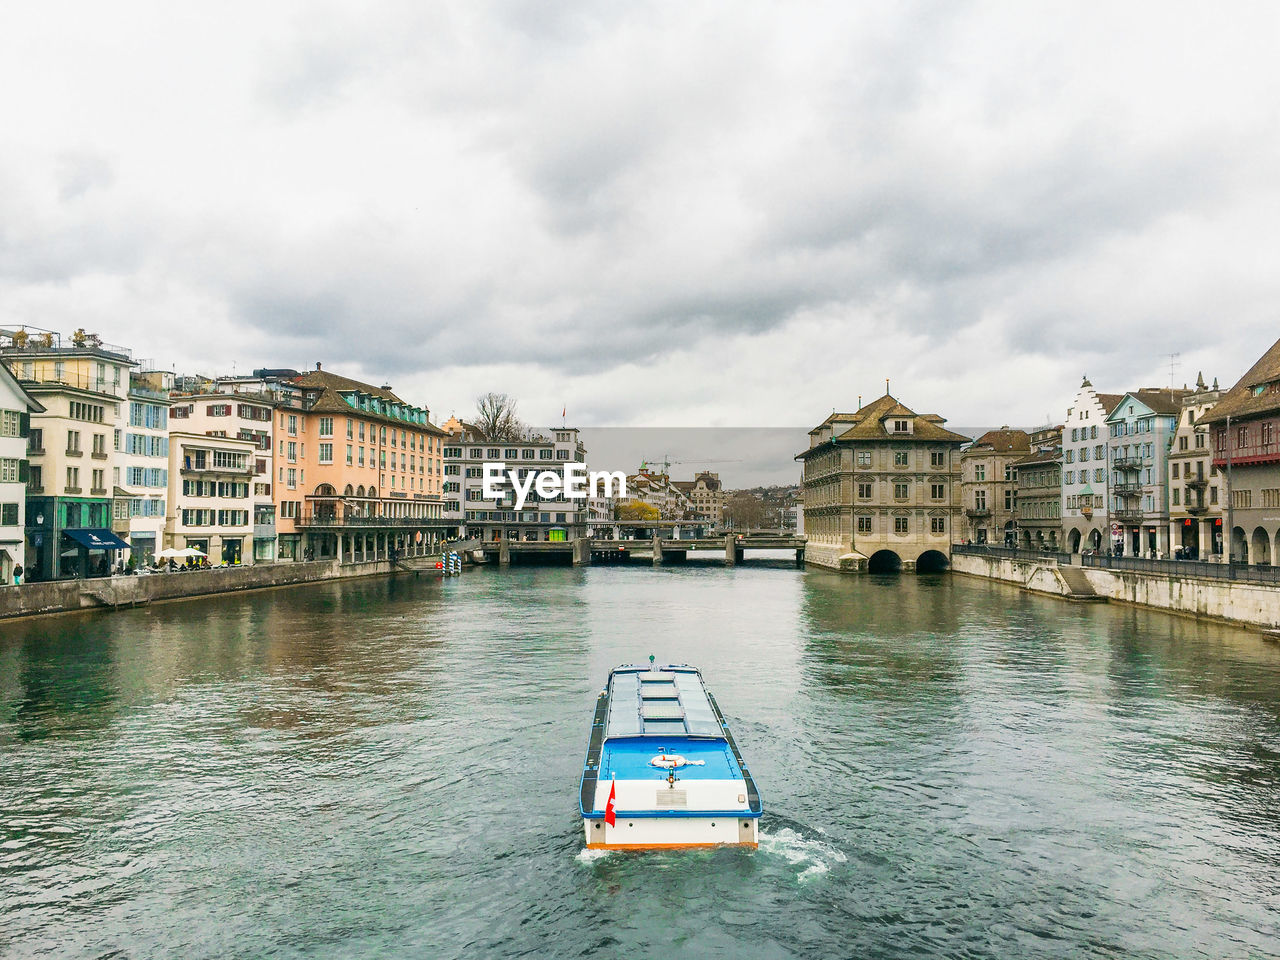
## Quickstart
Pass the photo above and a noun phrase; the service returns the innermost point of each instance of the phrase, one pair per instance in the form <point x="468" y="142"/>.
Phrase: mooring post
<point x="504" y="552"/>
<point x="730" y="550"/>
<point x="657" y="549"/>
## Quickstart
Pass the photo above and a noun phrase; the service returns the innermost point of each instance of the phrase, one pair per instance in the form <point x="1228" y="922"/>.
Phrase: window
<point x="99" y="445"/>
<point x="980" y="499"/>
<point x="901" y="525"/>
<point x="545" y="454"/>
<point x="901" y="491"/>
<point x="218" y="409"/>
<point x="35" y="441"/>
<point x="91" y="412"/>
<point x="350" y="455"/>
<point x="900" y="426"/>
<point x="938" y="458"/>
<point x="864" y="524"/>
<point x="326" y="426"/>
<point x="293" y="424"/>
<point x="292" y="478"/>
<point x="864" y="491"/>
<point x="937" y="491"/>
<point x="326" y="453"/>
<point x="1177" y="496"/>
<point x="900" y="458"/>
<point x="73" y="441"/>
<point x="73" y="476"/>
<point x="980" y="471"/>
<point x="938" y="525"/>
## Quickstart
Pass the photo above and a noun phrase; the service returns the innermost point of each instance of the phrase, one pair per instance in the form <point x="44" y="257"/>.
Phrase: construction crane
<point x="667" y="462"/>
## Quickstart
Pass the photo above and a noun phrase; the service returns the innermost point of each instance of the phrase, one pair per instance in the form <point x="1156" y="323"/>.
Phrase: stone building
<point x="1085" y="521"/>
<point x="1196" y="489"/>
<point x="881" y="489"/>
<point x="1038" y="481"/>
<point x="988" y="488"/>
<point x="1245" y="427"/>
<point x="706" y="495"/>
<point x="1140" y="433"/>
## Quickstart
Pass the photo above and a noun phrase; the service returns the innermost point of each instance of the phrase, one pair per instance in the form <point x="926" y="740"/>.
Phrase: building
<point x="549" y="518"/>
<point x="83" y="384"/>
<point x="16" y="408"/>
<point x="210" y="479"/>
<point x="1245" y="428"/>
<point x="1196" y="489"/>
<point x="225" y="414"/>
<point x="988" y="488"/>
<point x="1140" y="433"/>
<point x="881" y="489"/>
<point x="140" y="478"/>
<point x="359" y="471"/>
<point x="1085" y="523"/>
<point x="1038" y="481"/>
<point x="657" y="490"/>
<point x="706" y="495"/>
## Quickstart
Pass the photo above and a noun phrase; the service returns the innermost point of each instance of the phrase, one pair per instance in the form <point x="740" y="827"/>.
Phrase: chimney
<point x="317" y="364"/>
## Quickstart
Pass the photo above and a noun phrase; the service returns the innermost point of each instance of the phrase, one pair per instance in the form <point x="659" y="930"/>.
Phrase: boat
<point x="662" y="769"/>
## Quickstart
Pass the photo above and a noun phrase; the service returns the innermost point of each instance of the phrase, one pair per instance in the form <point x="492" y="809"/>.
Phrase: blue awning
<point x="97" y="539"/>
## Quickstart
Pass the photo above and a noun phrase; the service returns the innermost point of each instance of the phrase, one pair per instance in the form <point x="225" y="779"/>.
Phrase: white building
<point x="141" y="474"/>
<point x="542" y="518"/>
<point x="16" y="407"/>
<point x="1085" y="522"/>
<point x="210" y="492"/>
<point x="247" y="417"/>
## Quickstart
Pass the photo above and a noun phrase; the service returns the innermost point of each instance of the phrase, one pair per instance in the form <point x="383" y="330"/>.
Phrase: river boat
<point x="662" y="769"/>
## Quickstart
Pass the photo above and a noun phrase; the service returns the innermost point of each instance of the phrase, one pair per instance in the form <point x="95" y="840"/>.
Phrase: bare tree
<point x="496" y="417"/>
<point x="744" y="511"/>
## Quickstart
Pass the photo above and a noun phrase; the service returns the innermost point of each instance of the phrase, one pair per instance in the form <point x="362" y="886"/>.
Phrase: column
<point x="657" y="549"/>
<point x="730" y="550"/>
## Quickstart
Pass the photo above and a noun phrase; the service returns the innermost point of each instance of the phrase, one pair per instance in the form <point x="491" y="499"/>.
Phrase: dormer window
<point x="901" y="426"/>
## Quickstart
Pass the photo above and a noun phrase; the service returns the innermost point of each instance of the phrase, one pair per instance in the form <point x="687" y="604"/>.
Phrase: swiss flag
<point x="609" y="816"/>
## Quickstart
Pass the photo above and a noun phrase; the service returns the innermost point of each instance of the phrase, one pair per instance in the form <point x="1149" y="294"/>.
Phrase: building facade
<point x="706" y="496"/>
<point x="1196" y="489"/>
<point x="881" y="489"/>
<point x="82" y="384"/>
<point x="542" y="518"/>
<point x="1140" y="434"/>
<point x="247" y="416"/>
<point x="1245" y="431"/>
<point x="210" y="481"/>
<point x="140" y="479"/>
<point x="1085" y="519"/>
<point x="16" y="409"/>
<point x="989" y="490"/>
<point x="1038" y="478"/>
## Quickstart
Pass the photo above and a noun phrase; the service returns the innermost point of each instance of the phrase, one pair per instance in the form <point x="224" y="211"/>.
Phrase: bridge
<point x="657" y="550"/>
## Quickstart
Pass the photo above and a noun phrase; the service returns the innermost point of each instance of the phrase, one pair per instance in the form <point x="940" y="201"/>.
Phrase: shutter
<point x="24" y="471"/>
<point x="24" y="424"/>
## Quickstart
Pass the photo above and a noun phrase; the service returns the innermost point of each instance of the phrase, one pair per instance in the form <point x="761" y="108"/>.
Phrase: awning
<point x="97" y="539"/>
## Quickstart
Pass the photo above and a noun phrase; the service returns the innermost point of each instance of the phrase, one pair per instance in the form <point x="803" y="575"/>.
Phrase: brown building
<point x="706" y="494"/>
<point x="1038" y="485"/>
<point x="988" y="488"/>
<point x="881" y="489"/>
<point x="1245" y="426"/>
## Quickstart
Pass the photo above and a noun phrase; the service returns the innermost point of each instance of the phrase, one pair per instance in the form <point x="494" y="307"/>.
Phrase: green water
<point x="389" y="768"/>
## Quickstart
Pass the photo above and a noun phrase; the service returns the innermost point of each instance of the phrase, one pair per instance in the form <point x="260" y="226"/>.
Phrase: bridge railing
<point x="1010" y="553"/>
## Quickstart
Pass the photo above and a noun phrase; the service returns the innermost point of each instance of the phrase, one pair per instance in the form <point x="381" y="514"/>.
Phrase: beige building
<point x="881" y="489"/>
<point x="706" y="495"/>
<point x="1197" y="499"/>
<point x="1038" y="477"/>
<point x="989" y="489"/>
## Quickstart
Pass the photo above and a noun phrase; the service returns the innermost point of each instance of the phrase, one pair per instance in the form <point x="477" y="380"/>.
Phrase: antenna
<point x="1174" y="364"/>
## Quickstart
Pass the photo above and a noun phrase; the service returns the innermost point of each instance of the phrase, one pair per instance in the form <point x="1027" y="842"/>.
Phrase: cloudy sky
<point x="653" y="214"/>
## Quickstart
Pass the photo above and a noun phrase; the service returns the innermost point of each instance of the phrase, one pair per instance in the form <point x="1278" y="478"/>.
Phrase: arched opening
<point x="1010" y="535"/>
<point x="1239" y="547"/>
<point x="1095" y="540"/>
<point x="326" y="490"/>
<point x="1073" y="541"/>
<point x="884" y="561"/>
<point x="1260" y="547"/>
<point x="932" y="561"/>
<point x="347" y="492"/>
<point x="360" y="490"/>
<point x="1026" y="539"/>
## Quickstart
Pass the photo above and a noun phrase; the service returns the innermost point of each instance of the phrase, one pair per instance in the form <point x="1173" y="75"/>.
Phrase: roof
<point x="661" y="701"/>
<point x="868" y="424"/>
<point x="1047" y="455"/>
<point x="33" y="405"/>
<point x="1250" y="397"/>
<point x="1004" y="440"/>
<point x="329" y="387"/>
<point x="1109" y="401"/>
<point x="1159" y="401"/>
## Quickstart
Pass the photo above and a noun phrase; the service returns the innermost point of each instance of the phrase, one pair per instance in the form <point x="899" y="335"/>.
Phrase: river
<point x="389" y="768"/>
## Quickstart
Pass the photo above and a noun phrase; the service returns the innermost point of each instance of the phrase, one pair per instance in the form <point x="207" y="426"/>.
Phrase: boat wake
<point x="588" y="857"/>
<point x="814" y="857"/>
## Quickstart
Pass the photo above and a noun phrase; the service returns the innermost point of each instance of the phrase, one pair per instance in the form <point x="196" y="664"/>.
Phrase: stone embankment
<point x="1213" y="598"/>
<point x="112" y="592"/>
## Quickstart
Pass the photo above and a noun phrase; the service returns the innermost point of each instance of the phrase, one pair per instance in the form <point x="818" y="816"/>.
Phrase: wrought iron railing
<point x="1186" y="568"/>
<point x="1010" y="553"/>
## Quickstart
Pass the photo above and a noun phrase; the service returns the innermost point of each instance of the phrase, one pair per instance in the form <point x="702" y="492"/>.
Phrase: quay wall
<point x="1232" y="601"/>
<point x="65" y="595"/>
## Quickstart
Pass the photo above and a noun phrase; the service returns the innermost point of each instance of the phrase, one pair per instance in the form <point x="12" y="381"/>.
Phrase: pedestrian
<point x="17" y="574"/>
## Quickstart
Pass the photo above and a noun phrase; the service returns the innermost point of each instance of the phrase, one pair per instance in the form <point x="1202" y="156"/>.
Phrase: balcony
<point x="199" y="471"/>
<point x="1127" y="489"/>
<point x="1127" y="463"/>
<point x="1198" y="483"/>
<point x="325" y="520"/>
<point x="1127" y="516"/>
<point x="974" y="513"/>
<point x="1196" y="509"/>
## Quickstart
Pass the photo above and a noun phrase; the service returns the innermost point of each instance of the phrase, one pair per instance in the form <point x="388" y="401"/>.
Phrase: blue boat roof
<point x="629" y="759"/>
<point x="659" y="702"/>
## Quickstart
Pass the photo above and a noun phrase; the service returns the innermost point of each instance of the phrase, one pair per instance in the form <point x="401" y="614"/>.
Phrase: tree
<point x="636" y="510"/>
<point x="743" y="512"/>
<point x="496" y="417"/>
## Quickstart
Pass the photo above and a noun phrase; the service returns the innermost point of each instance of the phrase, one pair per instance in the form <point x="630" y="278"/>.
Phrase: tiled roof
<point x="323" y="378"/>
<point x="1244" y="400"/>
<point x="1004" y="441"/>
<point x="869" y="424"/>
<point x="1053" y="455"/>
<point x="329" y="400"/>
<point x="1109" y="401"/>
